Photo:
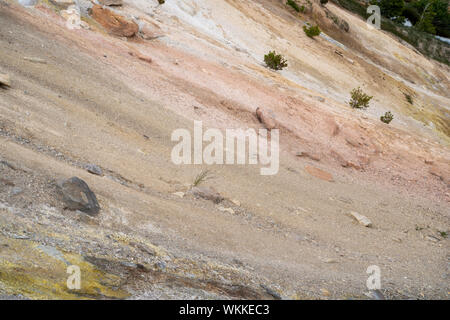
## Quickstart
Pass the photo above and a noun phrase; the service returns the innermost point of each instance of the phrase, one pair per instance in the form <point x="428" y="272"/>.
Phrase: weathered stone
<point x="143" y="248"/>
<point x="35" y="60"/>
<point x="363" y="220"/>
<point x="236" y="202"/>
<point x="114" y="23"/>
<point x="271" y="292"/>
<point x="149" y="31"/>
<point x="207" y="193"/>
<point x="229" y="210"/>
<point x="78" y="196"/>
<point x="432" y="238"/>
<point x="111" y="3"/>
<point x="94" y="169"/>
<point x="267" y="118"/>
<point x="318" y="173"/>
<point x="352" y="164"/>
<point x="145" y="58"/>
<point x="309" y="155"/>
<point x="179" y="194"/>
<point x="5" y="80"/>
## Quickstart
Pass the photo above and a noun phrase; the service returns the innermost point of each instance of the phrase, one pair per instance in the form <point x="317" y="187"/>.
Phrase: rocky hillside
<point x="94" y="90"/>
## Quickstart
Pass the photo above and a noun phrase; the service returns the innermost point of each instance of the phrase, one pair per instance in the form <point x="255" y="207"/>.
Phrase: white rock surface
<point x="363" y="220"/>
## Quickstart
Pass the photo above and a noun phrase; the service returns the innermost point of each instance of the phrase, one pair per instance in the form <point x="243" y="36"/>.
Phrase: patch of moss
<point x="27" y="270"/>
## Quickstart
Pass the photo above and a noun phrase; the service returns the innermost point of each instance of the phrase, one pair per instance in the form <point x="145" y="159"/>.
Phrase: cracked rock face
<point x="78" y="196"/>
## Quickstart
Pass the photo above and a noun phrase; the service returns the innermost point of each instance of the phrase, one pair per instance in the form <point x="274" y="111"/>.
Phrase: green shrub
<point x="408" y="98"/>
<point x="359" y="99"/>
<point x="275" y="61"/>
<point x="323" y="2"/>
<point x="312" y="31"/>
<point x="387" y="118"/>
<point x="293" y="4"/>
<point x="425" y="24"/>
<point x="201" y="177"/>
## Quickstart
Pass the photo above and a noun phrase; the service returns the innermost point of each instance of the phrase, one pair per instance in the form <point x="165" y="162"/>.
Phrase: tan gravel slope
<point x="80" y="97"/>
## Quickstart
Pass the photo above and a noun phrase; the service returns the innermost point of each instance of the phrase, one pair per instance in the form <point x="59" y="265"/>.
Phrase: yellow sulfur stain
<point x="27" y="270"/>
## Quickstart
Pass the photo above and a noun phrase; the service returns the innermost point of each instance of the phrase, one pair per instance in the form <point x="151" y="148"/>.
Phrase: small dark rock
<point x="271" y="292"/>
<point x="207" y="193"/>
<point x="78" y="196"/>
<point x="129" y="264"/>
<point x="94" y="169"/>
<point x="344" y="26"/>
<point x="377" y="294"/>
<point x="6" y="182"/>
<point x="161" y="265"/>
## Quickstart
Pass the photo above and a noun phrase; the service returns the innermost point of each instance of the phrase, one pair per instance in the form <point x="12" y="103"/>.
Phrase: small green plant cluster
<point x="203" y="176"/>
<point x="359" y="99"/>
<point x="408" y="98"/>
<point x="294" y="5"/>
<point x="387" y="118"/>
<point x="312" y="31"/>
<point x="275" y="61"/>
<point x="323" y="2"/>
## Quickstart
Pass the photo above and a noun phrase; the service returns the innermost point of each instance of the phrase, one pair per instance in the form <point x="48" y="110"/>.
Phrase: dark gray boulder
<point x="78" y="196"/>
